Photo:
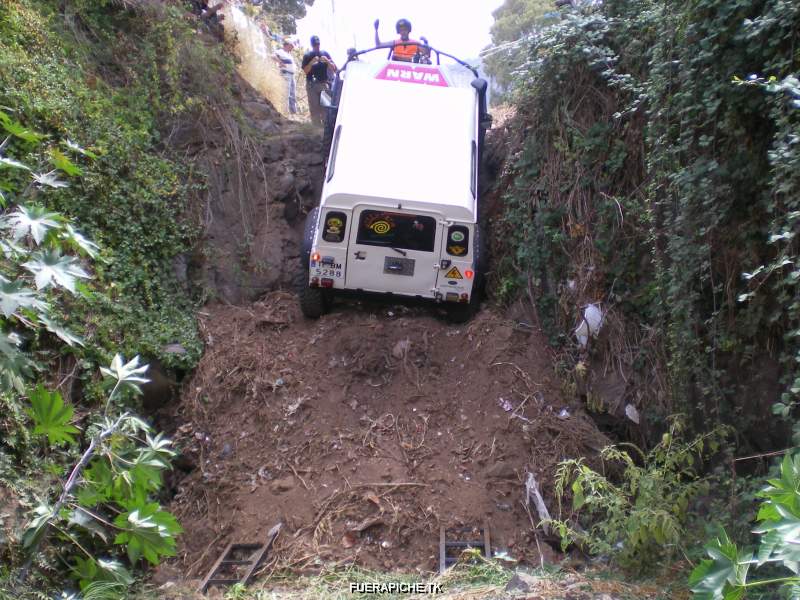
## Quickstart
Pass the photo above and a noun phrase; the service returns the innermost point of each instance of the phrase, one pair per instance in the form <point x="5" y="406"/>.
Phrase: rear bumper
<point x="439" y="297"/>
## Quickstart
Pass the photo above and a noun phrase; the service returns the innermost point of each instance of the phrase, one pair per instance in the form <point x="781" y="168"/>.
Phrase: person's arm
<point x="308" y="63"/>
<point x="377" y="38"/>
<point x="326" y="58"/>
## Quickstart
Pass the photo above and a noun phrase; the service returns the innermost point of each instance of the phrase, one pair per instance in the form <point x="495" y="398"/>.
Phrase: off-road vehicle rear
<point x="399" y="207"/>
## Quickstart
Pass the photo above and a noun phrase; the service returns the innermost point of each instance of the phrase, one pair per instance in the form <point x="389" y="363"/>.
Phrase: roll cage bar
<point x="429" y="48"/>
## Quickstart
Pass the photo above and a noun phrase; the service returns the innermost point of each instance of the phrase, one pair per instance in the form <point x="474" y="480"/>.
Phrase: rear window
<point x="458" y="240"/>
<point x="398" y="230"/>
<point x="333" y="228"/>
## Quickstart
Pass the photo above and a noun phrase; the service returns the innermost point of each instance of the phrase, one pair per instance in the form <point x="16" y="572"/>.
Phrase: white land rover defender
<point x="399" y="206"/>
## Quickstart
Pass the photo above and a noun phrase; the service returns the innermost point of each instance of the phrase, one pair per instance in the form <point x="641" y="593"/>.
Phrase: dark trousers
<point x="314" y="89"/>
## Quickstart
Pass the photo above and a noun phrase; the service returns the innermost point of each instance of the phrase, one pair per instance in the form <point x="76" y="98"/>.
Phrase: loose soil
<point x="365" y="431"/>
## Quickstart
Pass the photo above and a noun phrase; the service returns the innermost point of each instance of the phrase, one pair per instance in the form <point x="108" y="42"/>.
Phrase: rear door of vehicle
<point x="457" y="257"/>
<point x="393" y="251"/>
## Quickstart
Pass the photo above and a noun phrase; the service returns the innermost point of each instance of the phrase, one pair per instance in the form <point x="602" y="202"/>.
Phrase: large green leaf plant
<point x="105" y="509"/>
<point x="40" y="250"/>
<point x="107" y="500"/>
<point x="725" y="574"/>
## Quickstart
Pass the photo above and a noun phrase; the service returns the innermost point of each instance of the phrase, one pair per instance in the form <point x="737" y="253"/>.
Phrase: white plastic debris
<point x="504" y="556"/>
<point x="533" y="494"/>
<point x="632" y="413"/>
<point x="564" y="414"/>
<point x="590" y="324"/>
<point x="505" y="404"/>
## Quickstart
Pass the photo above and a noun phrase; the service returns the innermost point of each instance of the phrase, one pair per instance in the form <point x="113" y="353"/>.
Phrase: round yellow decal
<point x="381" y="227"/>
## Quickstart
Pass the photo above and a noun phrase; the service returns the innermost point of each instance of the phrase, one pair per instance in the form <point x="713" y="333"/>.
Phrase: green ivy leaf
<point x="62" y="162"/>
<point x="76" y="148"/>
<point x="14" y="364"/>
<point x="64" y="334"/>
<point x="51" y="416"/>
<point x="75" y="238"/>
<point x="14" y="294"/>
<point x="84" y="520"/>
<point x="49" y="180"/>
<point x="134" y="485"/>
<point x="18" y="129"/>
<point x="33" y="220"/>
<point x="147" y="532"/>
<point x="14" y="164"/>
<point x="50" y="266"/>
<point x="38" y="525"/>
<point x="577" y="495"/>
<point x="90" y="571"/>
<point x="159" y="450"/>
<point x="129" y="374"/>
<point x="98" y="483"/>
<point x="723" y="576"/>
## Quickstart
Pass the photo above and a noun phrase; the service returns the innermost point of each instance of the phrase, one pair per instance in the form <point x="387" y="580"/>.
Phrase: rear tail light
<point x="327" y="283"/>
<point x="315" y="257"/>
<point x="464" y="297"/>
<point x="315" y="282"/>
<point x="469" y="274"/>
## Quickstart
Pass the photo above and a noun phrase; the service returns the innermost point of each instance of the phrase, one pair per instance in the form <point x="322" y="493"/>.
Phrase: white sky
<point x="459" y="27"/>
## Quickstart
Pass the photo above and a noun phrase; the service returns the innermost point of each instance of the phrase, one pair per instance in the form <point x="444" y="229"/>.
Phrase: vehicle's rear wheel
<point x="308" y="238"/>
<point x="314" y="302"/>
<point x="461" y="313"/>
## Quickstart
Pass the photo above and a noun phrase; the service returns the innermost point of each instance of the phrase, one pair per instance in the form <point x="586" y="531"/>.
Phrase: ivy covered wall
<point x="657" y="172"/>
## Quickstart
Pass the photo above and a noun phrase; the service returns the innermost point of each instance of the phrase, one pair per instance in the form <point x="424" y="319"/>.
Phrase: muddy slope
<point x="365" y="431"/>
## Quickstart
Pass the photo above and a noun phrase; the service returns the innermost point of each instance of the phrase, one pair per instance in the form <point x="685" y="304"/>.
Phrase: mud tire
<point x="314" y="302"/>
<point x="461" y="313"/>
<point x="308" y="238"/>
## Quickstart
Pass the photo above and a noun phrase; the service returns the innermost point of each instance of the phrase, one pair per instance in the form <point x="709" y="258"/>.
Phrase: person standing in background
<point x="316" y="64"/>
<point x="284" y="58"/>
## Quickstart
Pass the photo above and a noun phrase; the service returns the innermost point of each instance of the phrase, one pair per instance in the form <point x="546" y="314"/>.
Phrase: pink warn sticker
<point x="413" y="74"/>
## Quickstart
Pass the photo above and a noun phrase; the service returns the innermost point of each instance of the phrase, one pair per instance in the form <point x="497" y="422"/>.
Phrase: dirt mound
<point x="365" y="431"/>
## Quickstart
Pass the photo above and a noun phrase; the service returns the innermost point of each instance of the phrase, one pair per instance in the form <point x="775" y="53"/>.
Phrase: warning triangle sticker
<point x="454" y="273"/>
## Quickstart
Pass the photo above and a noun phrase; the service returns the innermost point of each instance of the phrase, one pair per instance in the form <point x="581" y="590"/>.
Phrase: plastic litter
<point x="590" y="324"/>
<point x="632" y="413"/>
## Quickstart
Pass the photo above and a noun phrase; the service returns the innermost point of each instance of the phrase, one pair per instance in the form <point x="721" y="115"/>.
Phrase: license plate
<point x="327" y="272"/>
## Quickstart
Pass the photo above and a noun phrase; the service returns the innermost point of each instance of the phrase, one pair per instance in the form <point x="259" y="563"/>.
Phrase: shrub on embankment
<point x="91" y="93"/>
<point x="112" y="79"/>
<point x="655" y="171"/>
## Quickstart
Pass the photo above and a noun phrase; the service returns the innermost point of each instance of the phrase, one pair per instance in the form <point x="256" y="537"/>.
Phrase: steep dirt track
<point x="364" y="431"/>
